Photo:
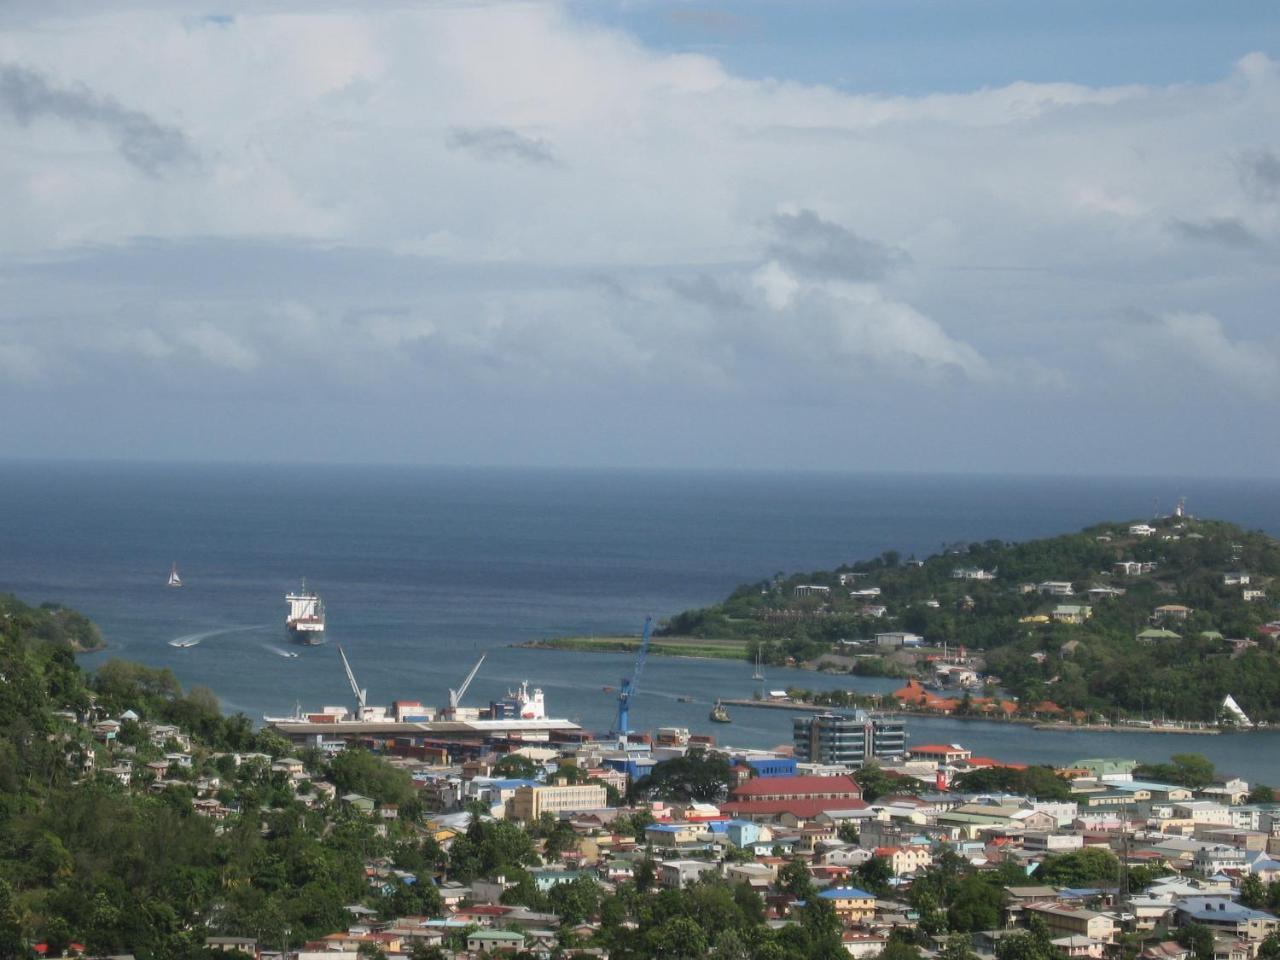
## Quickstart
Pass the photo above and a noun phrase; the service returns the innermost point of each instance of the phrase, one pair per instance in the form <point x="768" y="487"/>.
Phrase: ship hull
<point x="308" y="638"/>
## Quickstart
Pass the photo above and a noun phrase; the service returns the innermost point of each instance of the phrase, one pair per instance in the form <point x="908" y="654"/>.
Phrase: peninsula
<point x="1172" y="618"/>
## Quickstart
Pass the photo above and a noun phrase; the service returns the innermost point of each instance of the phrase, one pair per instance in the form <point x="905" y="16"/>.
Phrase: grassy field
<point x="666" y="646"/>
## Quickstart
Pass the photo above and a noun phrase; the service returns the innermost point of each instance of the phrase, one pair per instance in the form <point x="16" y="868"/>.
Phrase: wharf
<point x="783" y="705"/>
<point x="1126" y="728"/>
<point x="303" y="731"/>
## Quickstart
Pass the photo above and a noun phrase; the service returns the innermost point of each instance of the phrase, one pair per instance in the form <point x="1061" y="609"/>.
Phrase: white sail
<point x="174" y="579"/>
<point x="1232" y="713"/>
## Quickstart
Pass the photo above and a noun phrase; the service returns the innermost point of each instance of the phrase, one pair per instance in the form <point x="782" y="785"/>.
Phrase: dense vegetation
<point x="1098" y="666"/>
<point x="51" y="622"/>
<point x="86" y="859"/>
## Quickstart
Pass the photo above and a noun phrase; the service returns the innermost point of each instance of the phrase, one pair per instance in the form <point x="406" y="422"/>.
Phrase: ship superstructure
<point x="305" y="622"/>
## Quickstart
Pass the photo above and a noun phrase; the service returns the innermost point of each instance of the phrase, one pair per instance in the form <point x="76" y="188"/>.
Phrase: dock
<point x="783" y="705"/>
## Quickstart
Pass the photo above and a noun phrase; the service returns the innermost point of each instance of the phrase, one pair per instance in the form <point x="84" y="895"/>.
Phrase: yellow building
<point x="851" y="904"/>
<point x="529" y="803"/>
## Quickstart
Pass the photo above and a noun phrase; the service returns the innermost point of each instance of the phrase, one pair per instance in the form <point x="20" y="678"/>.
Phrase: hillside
<point x="51" y="622"/>
<point x="134" y="815"/>
<point x="1005" y="603"/>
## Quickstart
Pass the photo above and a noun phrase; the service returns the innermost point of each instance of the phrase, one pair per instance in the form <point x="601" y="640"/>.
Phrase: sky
<point x="919" y="235"/>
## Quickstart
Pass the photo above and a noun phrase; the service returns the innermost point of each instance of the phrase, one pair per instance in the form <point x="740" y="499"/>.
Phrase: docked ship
<point x="305" y="622"/>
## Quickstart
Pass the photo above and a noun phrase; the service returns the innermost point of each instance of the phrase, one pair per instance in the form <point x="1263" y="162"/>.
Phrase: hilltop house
<point x="1072" y="613"/>
<point x="1133" y="568"/>
<point x="1056" y="588"/>
<point x="802" y="590"/>
<point x="1170" y="611"/>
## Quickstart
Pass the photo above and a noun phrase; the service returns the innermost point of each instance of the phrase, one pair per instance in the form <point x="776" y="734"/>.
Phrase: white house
<point x="810" y="590"/>
<point x="972" y="573"/>
<point x="1057" y="588"/>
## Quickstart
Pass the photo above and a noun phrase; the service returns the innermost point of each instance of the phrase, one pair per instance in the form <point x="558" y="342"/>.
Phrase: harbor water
<point x="422" y="569"/>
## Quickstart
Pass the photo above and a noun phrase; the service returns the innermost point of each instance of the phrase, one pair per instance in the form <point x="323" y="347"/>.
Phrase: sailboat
<point x="759" y="674"/>
<point x="174" y="579"/>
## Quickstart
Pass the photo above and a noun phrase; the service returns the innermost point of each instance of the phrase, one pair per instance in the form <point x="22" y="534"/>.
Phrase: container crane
<point x="628" y="685"/>
<point x="455" y="696"/>
<point x="355" y="687"/>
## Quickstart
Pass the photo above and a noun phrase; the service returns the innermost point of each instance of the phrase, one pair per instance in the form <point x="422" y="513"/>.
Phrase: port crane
<point x="628" y="685"/>
<point x="455" y="696"/>
<point x="355" y="687"/>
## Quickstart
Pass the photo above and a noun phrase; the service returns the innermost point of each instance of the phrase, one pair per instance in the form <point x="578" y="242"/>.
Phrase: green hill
<point x="1223" y="644"/>
<point x="86" y="858"/>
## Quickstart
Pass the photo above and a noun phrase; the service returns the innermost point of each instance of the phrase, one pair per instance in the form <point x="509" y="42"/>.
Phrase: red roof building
<point x="798" y="788"/>
<point x="800" y="809"/>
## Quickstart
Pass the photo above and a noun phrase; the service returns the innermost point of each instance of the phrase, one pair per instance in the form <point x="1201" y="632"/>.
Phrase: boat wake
<point x="280" y="651"/>
<point x="195" y="639"/>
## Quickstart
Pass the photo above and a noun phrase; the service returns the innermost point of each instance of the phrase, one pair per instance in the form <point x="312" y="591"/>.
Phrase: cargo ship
<point x="305" y="622"/>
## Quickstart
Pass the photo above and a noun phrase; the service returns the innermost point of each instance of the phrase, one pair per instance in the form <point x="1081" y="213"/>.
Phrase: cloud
<point x="219" y="347"/>
<point x="1185" y="344"/>
<point x="831" y="323"/>
<point x="1260" y="173"/>
<point x="1224" y="231"/>
<point x="707" y="291"/>
<point x="500" y="143"/>
<point x="153" y="147"/>
<point x="385" y="198"/>
<point x="1201" y="338"/>
<point x="816" y="247"/>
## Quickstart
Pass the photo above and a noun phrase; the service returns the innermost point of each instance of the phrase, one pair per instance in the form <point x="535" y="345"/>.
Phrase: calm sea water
<point x="422" y="569"/>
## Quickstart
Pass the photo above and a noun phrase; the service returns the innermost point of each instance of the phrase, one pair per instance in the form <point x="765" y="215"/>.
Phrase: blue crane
<point x="627" y="687"/>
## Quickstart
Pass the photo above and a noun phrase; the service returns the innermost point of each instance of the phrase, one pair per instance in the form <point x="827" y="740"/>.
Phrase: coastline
<point x="690" y="648"/>
<point x="1031" y="722"/>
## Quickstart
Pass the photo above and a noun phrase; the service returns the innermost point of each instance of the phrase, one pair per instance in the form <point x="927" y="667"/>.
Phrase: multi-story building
<point x="850" y="903"/>
<point x="529" y="803"/>
<point x="848" y="740"/>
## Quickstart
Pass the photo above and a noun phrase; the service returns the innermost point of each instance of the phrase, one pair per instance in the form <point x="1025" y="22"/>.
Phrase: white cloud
<point x="1200" y="339"/>
<point x="476" y="194"/>
<point x="220" y="347"/>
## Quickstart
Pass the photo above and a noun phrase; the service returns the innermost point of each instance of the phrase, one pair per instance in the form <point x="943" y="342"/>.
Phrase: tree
<point x="794" y="879"/>
<point x="1197" y="937"/>
<point x="900" y="950"/>
<point x="1079" y="868"/>
<point x="12" y="943"/>
<point x="697" y="775"/>
<point x="959" y="946"/>
<point x="1188" y="769"/>
<point x="1253" y="893"/>
<point x="873" y="781"/>
<point x="575" y="901"/>
<point x="645" y="874"/>
<point x="679" y="938"/>
<point x="874" y="875"/>
<point x="356" y="770"/>
<point x="516" y="766"/>
<point x="1039" y="782"/>
<point x="1034" y="944"/>
<point x="976" y="905"/>
<point x="1262" y="794"/>
<point x="847" y="833"/>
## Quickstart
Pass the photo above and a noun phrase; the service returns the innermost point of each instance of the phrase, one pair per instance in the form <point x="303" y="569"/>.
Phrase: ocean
<point x="422" y="569"/>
